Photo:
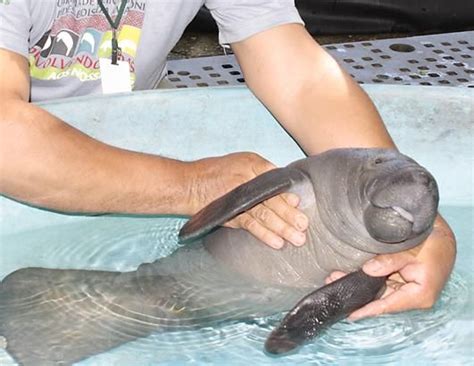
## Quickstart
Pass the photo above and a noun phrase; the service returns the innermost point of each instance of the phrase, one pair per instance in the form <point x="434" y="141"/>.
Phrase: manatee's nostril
<point x="425" y="180"/>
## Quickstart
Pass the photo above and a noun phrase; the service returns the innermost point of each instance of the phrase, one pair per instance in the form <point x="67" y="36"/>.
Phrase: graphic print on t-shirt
<point x="80" y="35"/>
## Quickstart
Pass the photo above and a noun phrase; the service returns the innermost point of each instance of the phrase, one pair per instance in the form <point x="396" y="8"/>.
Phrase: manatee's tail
<point x="63" y="316"/>
<point x="53" y="316"/>
<point x="322" y="308"/>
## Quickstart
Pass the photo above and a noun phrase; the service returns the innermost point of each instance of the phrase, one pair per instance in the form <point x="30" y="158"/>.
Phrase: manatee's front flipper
<point x="322" y="308"/>
<point x="242" y="198"/>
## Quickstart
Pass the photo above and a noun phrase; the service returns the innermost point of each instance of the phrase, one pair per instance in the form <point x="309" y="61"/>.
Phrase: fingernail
<point x="301" y="222"/>
<point x="277" y="243"/>
<point x="293" y="200"/>
<point x="372" y="266"/>
<point x="298" y="238"/>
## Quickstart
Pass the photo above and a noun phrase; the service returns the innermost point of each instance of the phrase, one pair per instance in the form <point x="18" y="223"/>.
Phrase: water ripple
<point x="107" y="243"/>
<point x="110" y="243"/>
<point x="420" y="336"/>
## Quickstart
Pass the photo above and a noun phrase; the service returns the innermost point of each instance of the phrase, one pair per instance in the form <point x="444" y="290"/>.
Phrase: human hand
<point x="417" y="276"/>
<point x="273" y="221"/>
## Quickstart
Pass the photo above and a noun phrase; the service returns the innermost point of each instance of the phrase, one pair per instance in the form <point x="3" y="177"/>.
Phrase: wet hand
<point x="416" y="277"/>
<point x="274" y="221"/>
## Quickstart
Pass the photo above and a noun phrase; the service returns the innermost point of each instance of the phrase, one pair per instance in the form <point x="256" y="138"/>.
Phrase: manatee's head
<point x="399" y="198"/>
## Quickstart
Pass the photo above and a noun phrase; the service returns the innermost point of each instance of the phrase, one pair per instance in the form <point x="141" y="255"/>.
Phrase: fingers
<point x="284" y="206"/>
<point x="394" y="299"/>
<point x="406" y="297"/>
<point x="399" y="295"/>
<point x="410" y="289"/>
<point x="334" y="276"/>
<point x="416" y="281"/>
<point x="275" y="221"/>
<point x="290" y="198"/>
<point x="249" y="223"/>
<point x="386" y="264"/>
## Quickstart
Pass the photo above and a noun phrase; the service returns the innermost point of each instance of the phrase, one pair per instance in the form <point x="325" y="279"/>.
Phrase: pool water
<point x="442" y="335"/>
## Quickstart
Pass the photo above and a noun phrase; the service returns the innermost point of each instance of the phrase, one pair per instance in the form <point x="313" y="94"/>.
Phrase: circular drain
<point x="402" y="47"/>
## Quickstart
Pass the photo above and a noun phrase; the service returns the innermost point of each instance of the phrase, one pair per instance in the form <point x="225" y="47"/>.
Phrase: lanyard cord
<point x="114" y="24"/>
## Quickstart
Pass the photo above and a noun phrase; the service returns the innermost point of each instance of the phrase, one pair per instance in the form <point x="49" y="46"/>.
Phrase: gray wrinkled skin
<point x="360" y="202"/>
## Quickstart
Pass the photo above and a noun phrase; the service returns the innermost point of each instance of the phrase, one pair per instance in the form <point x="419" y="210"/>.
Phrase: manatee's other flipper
<point x="322" y="308"/>
<point x="242" y="198"/>
<point x="51" y="317"/>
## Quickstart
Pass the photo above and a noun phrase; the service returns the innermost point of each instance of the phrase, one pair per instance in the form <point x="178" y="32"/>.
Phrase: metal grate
<point x="442" y="59"/>
<point x="205" y="71"/>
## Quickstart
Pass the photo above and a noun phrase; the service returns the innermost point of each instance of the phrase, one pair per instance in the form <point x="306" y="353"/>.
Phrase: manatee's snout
<point x="403" y="204"/>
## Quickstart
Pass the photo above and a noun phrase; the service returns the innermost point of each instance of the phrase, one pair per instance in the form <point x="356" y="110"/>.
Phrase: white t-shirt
<point x="64" y="39"/>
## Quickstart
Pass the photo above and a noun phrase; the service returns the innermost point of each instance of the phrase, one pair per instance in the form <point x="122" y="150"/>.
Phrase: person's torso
<point x="69" y="36"/>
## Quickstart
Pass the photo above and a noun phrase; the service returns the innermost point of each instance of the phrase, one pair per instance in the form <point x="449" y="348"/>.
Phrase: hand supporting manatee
<point x="417" y="276"/>
<point x="272" y="221"/>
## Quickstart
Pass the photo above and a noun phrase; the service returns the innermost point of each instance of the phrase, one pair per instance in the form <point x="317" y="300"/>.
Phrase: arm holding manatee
<point x="322" y="107"/>
<point x="314" y="99"/>
<point x="48" y="163"/>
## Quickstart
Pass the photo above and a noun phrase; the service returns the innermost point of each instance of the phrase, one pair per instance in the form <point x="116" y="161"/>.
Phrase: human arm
<point x="48" y="163"/>
<point x="322" y="108"/>
<point x="313" y="98"/>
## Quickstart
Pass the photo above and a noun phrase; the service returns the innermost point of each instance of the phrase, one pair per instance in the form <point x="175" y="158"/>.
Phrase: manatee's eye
<point x="377" y="161"/>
